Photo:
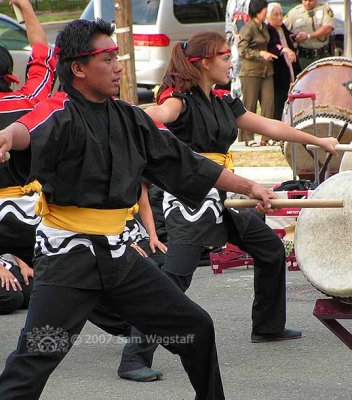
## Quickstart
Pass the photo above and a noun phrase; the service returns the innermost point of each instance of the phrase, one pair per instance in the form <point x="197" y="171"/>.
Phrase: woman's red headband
<point x="219" y="53"/>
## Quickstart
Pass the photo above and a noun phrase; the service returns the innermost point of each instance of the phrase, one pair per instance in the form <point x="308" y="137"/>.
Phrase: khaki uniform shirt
<point x="253" y="39"/>
<point x="298" y="20"/>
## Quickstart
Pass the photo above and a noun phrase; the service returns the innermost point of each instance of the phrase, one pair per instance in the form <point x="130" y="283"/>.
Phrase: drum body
<point x="330" y="79"/>
<point x="323" y="239"/>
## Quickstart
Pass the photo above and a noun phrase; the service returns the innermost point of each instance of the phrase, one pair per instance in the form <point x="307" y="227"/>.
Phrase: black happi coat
<point x="207" y="126"/>
<point x="78" y="166"/>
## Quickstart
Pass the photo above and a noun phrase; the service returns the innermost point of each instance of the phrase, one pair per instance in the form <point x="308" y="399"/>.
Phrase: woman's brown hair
<point x="182" y="73"/>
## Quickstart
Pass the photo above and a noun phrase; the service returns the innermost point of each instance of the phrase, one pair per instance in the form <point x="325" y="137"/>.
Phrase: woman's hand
<point x="267" y="56"/>
<point x="154" y="243"/>
<point x="139" y="250"/>
<point x="328" y="144"/>
<point x="26" y="271"/>
<point x="8" y="279"/>
<point x="291" y="54"/>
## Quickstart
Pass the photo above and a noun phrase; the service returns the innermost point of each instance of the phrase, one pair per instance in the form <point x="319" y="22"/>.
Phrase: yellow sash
<point x="226" y="160"/>
<point x="79" y="219"/>
<point x="19" y="191"/>
<point x="131" y="211"/>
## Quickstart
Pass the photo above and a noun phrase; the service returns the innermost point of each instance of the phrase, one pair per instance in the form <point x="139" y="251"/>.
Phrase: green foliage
<point x="48" y="5"/>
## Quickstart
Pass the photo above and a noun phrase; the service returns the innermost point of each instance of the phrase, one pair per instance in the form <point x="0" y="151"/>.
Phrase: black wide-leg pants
<point x="146" y="298"/>
<point x="250" y="234"/>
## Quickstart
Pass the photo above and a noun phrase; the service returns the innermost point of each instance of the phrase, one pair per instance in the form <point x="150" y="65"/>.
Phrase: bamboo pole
<point x="338" y="147"/>
<point x="285" y="203"/>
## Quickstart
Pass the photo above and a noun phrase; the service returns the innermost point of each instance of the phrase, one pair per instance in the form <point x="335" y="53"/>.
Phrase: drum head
<point x="346" y="162"/>
<point x="323" y="239"/>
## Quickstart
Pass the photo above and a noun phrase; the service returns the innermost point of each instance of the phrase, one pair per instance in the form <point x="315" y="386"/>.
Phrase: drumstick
<point x="283" y="203"/>
<point x="338" y="147"/>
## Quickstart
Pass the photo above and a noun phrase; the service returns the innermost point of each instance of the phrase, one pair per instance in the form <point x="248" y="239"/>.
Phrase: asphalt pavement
<point x="314" y="367"/>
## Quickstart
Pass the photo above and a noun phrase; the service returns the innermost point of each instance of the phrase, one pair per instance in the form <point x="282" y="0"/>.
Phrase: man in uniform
<point x="312" y="24"/>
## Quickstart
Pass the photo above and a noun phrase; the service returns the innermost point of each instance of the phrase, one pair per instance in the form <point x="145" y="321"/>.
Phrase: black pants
<point x="280" y="96"/>
<point x="17" y="238"/>
<point x="269" y="305"/>
<point x="146" y="298"/>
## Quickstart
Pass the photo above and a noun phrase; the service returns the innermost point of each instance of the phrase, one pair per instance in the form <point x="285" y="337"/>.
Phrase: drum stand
<point x="328" y="311"/>
<point x="291" y="98"/>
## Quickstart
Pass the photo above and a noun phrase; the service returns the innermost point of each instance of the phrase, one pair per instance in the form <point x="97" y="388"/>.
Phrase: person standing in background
<point x="236" y="17"/>
<point x="312" y="23"/>
<point x="256" y="69"/>
<point x="286" y="66"/>
<point x="17" y="219"/>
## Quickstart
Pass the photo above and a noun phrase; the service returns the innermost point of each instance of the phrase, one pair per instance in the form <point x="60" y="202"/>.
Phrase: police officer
<point x="312" y="24"/>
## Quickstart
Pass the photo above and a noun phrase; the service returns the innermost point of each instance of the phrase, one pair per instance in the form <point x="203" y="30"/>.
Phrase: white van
<point x="158" y="25"/>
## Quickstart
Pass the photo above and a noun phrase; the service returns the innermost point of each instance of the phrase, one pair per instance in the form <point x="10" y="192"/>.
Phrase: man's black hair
<point x="256" y="6"/>
<point x="76" y="38"/>
<point x="6" y="67"/>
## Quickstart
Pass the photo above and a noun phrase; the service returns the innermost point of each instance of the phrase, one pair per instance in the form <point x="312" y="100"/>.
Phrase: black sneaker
<point x="287" y="334"/>
<point x="141" y="375"/>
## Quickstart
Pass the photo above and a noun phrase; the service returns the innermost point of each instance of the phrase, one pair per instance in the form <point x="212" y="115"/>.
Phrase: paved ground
<point x="267" y="176"/>
<point x="316" y="367"/>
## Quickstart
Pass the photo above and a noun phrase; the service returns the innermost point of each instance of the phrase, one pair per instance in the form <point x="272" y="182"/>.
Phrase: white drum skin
<point x="323" y="239"/>
<point x="346" y="162"/>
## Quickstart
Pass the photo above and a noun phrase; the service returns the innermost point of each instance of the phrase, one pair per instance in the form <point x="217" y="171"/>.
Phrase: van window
<point x="12" y="37"/>
<point x="197" y="12"/>
<point x="145" y="12"/>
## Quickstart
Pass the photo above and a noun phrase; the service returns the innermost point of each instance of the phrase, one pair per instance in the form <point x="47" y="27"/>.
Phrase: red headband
<point x="219" y="53"/>
<point x="87" y="53"/>
<point x="8" y="78"/>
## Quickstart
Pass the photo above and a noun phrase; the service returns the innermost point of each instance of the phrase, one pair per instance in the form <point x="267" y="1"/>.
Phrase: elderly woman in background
<point x="256" y="71"/>
<point x="286" y="66"/>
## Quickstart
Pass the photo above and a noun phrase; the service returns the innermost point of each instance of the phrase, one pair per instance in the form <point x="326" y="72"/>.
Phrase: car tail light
<point x="159" y="40"/>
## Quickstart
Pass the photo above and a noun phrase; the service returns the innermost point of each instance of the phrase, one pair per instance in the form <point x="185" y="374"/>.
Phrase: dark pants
<point x="17" y="238"/>
<point x="280" y="97"/>
<point x="10" y="300"/>
<point x="269" y="305"/>
<point x="146" y="298"/>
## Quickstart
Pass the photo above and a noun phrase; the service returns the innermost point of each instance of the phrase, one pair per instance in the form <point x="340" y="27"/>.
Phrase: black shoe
<point x="141" y="375"/>
<point x="287" y="334"/>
